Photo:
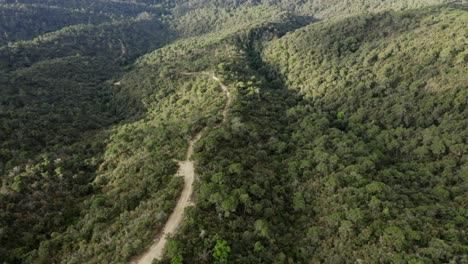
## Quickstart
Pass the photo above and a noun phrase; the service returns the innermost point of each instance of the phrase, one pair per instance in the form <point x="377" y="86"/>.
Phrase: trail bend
<point x="186" y="170"/>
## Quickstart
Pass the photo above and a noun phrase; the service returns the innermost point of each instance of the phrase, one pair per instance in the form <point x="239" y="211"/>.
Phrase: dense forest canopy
<point x="346" y="140"/>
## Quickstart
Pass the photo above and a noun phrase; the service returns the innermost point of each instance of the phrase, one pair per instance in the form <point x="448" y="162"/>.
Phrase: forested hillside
<point x="51" y="19"/>
<point x="23" y="20"/>
<point x="366" y="161"/>
<point x="345" y="141"/>
<point x="57" y="100"/>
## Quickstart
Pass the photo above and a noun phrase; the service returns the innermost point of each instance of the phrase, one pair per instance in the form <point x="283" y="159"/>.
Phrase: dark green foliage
<point x="106" y="41"/>
<point x="346" y="139"/>
<point x="62" y="95"/>
<point x="113" y="9"/>
<point x="24" y="20"/>
<point x="57" y="100"/>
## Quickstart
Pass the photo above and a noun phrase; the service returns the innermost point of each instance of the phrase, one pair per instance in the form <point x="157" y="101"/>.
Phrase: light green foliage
<point x="375" y="187"/>
<point x="298" y="201"/>
<point x="178" y="259"/>
<point x="394" y="237"/>
<point x="258" y="247"/>
<point x="340" y="116"/>
<point x="221" y="251"/>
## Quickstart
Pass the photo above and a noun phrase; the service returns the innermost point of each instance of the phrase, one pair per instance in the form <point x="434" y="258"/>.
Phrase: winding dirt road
<point x="187" y="170"/>
<point x="228" y="101"/>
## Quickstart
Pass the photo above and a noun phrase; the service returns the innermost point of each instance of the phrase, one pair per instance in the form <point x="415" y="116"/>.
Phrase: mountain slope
<point x="389" y="93"/>
<point x="24" y="20"/>
<point x="368" y="165"/>
<point x="345" y="142"/>
<point x="57" y="103"/>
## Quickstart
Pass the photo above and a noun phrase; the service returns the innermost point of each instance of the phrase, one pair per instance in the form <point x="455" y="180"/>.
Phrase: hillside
<point x="345" y="140"/>
<point x="367" y="164"/>
<point x="57" y="102"/>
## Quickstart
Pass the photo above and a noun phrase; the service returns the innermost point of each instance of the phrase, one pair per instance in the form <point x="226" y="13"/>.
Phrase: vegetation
<point x="57" y="104"/>
<point x="389" y="172"/>
<point x="51" y="19"/>
<point x="346" y="138"/>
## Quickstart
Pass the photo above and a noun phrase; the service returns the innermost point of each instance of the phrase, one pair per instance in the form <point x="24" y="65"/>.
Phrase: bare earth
<point x="187" y="170"/>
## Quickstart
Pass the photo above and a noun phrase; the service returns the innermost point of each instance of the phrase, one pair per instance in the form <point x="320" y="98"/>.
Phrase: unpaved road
<point x="228" y="101"/>
<point x="187" y="170"/>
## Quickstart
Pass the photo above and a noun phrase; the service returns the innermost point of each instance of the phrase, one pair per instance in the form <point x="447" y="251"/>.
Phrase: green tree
<point x="221" y="251"/>
<point x="298" y="201"/>
<point x="340" y="116"/>
<point x="178" y="259"/>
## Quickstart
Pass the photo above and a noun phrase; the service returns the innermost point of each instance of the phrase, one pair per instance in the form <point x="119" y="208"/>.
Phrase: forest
<point x="346" y="140"/>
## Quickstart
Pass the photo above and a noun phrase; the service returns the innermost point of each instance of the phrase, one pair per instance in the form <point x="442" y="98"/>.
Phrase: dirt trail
<point x="187" y="170"/>
<point x="228" y="101"/>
